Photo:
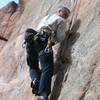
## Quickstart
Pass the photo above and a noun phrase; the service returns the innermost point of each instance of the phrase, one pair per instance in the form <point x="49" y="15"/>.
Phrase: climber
<point x="51" y="29"/>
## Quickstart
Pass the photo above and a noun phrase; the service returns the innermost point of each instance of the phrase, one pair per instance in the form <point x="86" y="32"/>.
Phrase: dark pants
<point x="46" y="60"/>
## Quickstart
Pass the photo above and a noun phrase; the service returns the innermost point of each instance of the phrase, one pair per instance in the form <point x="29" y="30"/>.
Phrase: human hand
<point x="69" y="32"/>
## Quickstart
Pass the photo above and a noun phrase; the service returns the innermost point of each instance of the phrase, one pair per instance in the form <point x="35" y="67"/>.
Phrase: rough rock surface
<point x="77" y="68"/>
<point x="8" y="17"/>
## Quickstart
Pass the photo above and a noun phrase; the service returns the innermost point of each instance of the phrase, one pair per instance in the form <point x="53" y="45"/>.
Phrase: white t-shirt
<point x="57" y="24"/>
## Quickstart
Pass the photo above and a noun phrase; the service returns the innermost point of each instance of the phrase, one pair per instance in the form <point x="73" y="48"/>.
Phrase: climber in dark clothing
<point x="51" y="29"/>
<point x="46" y="59"/>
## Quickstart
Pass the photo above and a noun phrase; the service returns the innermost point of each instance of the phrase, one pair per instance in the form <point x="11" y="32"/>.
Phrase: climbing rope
<point x="75" y="14"/>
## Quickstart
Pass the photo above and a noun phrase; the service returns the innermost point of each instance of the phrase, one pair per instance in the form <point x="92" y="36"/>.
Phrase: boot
<point x="35" y="86"/>
<point x="43" y="98"/>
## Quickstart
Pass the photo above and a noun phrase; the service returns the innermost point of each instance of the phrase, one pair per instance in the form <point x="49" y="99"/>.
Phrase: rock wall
<point x="8" y="18"/>
<point x="77" y="70"/>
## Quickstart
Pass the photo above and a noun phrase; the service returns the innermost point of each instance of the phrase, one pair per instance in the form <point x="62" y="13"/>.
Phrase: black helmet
<point x="29" y="34"/>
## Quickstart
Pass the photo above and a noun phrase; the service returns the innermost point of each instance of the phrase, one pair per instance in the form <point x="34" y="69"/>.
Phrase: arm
<point x="62" y="31"/>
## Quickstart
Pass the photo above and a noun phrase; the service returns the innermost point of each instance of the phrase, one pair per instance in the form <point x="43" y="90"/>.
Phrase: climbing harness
<point x="43" y="34"/>
<point x="47" y="32"/>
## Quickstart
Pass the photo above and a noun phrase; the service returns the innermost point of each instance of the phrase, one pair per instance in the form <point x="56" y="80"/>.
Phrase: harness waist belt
<point x="45" y="31"/>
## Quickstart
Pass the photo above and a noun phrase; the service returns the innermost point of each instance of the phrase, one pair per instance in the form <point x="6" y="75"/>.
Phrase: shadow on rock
<point x="64" y="60"/>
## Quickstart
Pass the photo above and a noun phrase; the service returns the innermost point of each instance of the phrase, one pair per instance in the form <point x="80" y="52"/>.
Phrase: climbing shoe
<point x="35" y="86"/>
<point x="43" y="98"/>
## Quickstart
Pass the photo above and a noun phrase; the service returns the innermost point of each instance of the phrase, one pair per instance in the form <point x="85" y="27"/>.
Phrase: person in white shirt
<point x="52" y="29"/>
<point x="57" y="23"/>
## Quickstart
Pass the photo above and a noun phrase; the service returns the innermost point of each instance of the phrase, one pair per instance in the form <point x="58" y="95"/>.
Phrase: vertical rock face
<point x="77" y="69"/>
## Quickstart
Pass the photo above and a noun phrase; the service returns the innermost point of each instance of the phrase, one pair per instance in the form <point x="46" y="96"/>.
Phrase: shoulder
<point x="60" y="20"/>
